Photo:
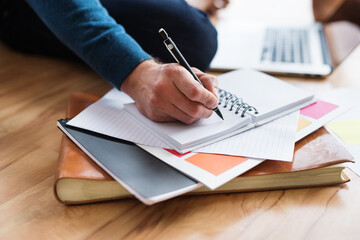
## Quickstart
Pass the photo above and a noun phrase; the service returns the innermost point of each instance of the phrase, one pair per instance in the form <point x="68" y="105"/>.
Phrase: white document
<point x="318" y="123"/>
<point x="207" y="178"/>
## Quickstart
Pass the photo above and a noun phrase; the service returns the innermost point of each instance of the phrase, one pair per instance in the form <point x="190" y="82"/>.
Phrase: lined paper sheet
<point x="107" y="117"/>
<point x="275" y="139"/>
<point x="271" y="141"/>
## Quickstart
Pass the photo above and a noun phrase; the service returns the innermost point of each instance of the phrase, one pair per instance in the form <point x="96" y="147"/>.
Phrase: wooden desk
<point x="33" y="95"/>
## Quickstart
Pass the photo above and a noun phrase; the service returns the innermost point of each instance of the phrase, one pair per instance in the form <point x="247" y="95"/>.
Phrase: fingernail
<point x="215" y="104"/>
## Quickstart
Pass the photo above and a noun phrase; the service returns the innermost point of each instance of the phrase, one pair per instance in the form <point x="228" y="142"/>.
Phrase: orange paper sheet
<point x="215" y="164"/>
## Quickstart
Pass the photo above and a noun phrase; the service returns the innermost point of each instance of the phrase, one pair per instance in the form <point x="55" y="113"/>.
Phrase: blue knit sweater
<point x="86" y="27"/>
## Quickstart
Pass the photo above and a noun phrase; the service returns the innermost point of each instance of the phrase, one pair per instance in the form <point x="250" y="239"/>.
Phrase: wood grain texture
<point x="33" y="95"/>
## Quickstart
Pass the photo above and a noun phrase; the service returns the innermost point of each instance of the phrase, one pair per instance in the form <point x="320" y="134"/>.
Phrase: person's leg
<point x="189" y="28"/>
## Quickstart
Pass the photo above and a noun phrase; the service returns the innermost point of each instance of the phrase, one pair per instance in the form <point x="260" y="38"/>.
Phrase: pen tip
<point x="217" y="111"/>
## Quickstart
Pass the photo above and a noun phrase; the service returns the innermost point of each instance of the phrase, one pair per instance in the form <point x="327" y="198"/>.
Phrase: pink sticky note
<point x="318" y="109"/>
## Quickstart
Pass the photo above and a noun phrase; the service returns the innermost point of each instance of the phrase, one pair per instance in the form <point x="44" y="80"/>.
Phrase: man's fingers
<point x="181" y="115"/>
<point x="167" y="112"/>
<point x="194" y="91"/>
<point x="210" y="82"/>
<point x="193" y="109"/>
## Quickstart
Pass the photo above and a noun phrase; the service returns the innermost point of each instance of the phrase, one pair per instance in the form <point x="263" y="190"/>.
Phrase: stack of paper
<point x="226" y="149"/>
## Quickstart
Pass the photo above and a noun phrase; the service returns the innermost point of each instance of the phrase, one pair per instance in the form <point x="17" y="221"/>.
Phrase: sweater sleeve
<point x="86" y="28"/>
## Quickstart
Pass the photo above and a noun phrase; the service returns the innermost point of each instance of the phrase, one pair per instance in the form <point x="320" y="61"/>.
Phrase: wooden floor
<point x="33" y="95"/>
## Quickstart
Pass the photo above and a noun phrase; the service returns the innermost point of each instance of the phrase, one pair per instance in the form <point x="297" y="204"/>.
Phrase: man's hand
<point x="168" y="92"/>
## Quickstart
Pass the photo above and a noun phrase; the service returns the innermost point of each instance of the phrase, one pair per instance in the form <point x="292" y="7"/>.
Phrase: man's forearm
<point x="86" y="28"/>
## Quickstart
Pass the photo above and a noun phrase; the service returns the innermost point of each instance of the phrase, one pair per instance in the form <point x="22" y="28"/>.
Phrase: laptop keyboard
<point x="286" y="46"/>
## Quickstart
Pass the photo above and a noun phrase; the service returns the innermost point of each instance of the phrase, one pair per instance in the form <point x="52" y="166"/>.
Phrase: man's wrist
<point x="135" y="77"/>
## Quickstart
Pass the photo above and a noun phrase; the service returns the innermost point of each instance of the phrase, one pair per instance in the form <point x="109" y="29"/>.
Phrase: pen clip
<point x="170" y="46"/>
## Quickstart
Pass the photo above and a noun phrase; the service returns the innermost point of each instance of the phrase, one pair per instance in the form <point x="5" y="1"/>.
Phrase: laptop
<point x="277" y="49"/>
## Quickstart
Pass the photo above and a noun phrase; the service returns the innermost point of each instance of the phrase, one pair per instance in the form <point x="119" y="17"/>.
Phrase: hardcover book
<point x="317" y="162"/>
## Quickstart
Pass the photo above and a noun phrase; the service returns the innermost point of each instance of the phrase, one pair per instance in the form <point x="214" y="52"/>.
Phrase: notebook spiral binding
<point x="231" y="101"/>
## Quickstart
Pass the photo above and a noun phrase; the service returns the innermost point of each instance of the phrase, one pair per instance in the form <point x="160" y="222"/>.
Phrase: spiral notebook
<point x="247" y="99"/>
